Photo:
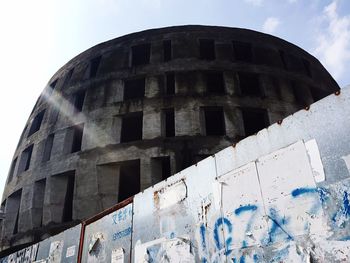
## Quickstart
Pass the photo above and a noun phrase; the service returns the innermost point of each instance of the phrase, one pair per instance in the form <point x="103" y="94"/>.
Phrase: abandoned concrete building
<point x="129" y="112"/>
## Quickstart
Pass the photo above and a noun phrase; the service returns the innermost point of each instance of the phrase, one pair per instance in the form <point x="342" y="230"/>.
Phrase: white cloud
<point x="270" y="25"/>
<point x="254" y="2"/>
<point x="333" y="43"/>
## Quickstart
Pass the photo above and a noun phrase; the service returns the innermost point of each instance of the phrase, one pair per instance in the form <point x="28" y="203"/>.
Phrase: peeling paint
<point x="171" y="195"/>
<point x="315" y="160"/>
<point x="347" y="161"/>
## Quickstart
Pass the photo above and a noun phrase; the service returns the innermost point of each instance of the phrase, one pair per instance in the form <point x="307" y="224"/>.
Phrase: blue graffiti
<point x="246" y="208"/>
<point x="202" y="233"/>
<point x="241" y="260"/>
<point x="222" y="221"/>
<point x="309" y="191"/>
<point x="346" y="205"/>
<point x="340" y="218"/>
<point x="278" y="226"/>
<point x="323" y="194"/>
<point x="304" y="190"/>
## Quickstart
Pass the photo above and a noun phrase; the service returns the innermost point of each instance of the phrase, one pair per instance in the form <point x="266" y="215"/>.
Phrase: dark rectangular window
<point x="185" y="158"/>
<point x="207" y="49"/>
<point x="77" y="138"/>
<point x="36" y="123"/>
<point x="38" y="202"/>
<point x="249" y="84"/>
<point x="166" y="170"/>
<point x="300" y="95"/>
<point x="129" y="179"/>
<point x="12" y="170"/>
<point x="48" y="91"/>
<point x="307" y="67"/>
<point x="53" y="84"/>
<point x="214" y="121"/>
<point x="68" y="77"/>
<point x="67" y="215"/>
<point x="215" y="82"/>
<point x="134" y="88"/>
<point x="48" y="147"/>
<point x="242" y="51"/>
<point x="167" y="50"/>
<point x="78" y="103"/>
<point x="2" y="208"/>
<point x="131" y="127"/>
<point x="160" y="168"/>
<point x="25" y="159"/>
<point x="169" y="123"/>
<point x="13" y="205"/>
<point x="170" y="84"/>
<point x="140" y="54"/>
<point x="254" y="120"/>
<point x="94" y="64"/>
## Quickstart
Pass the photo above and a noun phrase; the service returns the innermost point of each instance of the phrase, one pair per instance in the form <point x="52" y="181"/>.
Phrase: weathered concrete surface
<point x="89" y="95"/>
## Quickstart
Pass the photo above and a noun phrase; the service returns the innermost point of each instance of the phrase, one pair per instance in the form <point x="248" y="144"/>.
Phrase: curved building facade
<point x="130" y="112"/>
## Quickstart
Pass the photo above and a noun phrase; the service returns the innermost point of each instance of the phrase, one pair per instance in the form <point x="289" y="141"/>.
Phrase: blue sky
<point x="40" y="36"/>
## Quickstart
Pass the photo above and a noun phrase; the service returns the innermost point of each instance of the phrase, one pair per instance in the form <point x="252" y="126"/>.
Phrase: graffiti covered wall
<point x="279" y="196"/>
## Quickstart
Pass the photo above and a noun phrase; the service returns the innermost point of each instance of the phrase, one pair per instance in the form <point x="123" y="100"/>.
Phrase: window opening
<point x="254" y="120"/>
<point x="134" y="88"/>
<point x="67" y="215"/>
<point x="53" y="84"/>
<point x="167" y="50"/>
<point x="48" y="148"/>
<point x="207" y="49"/>
<point x="94" y="64"/>
<point x="299" y="94"/>
<point x="38" y="202"/>
<point x="169" y="125"/>
<point x="12" y="169"/>
<point x="25" y="159"/>
<point x="131" y="127"/>
<point x="161" y="168"/>
<point x="250" y="84"/>
<point x="307" y="67"/>
<point x="215" y="82"/>
<point x="68" y="77"/>
<point x="36" y="123"/>
<point x="170" y="84"/>
<point x="243" y="51"/>
<point x="13" y="205"/>
<point x="79" y="98"/>
<point x="214" y="121"/>
<point x="129" y="180"/>
<point x="77" y="137"/>
<point x="140" y="54"/>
